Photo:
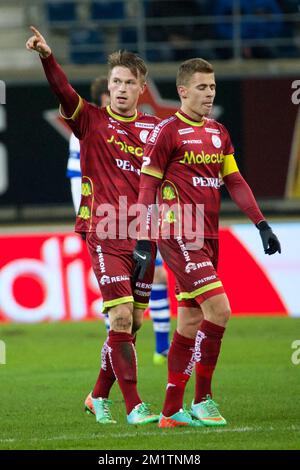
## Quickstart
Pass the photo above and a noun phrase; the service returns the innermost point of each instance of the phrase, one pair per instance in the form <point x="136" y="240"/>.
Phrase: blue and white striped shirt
<point x="73" y="168"/>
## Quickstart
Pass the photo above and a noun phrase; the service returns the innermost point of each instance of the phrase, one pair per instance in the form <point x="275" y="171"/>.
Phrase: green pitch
<point x="51" y="367"/>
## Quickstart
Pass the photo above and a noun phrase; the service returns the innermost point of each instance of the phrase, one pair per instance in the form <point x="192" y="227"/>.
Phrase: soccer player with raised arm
<point x="112" y="141"/>
<point x="159" y="308"/>
<point x="186" y="157"/>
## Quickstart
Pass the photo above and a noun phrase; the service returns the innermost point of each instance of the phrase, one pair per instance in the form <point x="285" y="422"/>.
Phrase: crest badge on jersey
<point x="143" y="136"/>
<point x="216" y="141"/>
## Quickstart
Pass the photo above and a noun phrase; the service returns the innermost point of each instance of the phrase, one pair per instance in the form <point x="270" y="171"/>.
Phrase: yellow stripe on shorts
<point x="201" y="290"/>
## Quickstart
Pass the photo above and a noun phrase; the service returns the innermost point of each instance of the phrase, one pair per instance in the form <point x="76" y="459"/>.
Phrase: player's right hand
<point x="142" y="258"/>
<point x="270" y="242"/>
<point x="38" y="43"/>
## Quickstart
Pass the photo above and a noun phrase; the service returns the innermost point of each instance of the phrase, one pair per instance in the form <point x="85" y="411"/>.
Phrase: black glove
<point x="270" y="241"/>
<point x="142" y="258"/>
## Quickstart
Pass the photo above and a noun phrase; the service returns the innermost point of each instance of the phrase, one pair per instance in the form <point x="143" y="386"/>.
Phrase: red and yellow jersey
<point x="111" y="156"/>
<point x="190" y="158"/>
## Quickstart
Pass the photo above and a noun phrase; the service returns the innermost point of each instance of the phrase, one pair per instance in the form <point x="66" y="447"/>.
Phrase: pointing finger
<point x="36" y="32"/>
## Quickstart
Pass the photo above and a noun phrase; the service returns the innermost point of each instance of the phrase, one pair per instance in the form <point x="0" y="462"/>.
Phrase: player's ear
<point x="143" y="88"/>
<point x="182" y="91"/>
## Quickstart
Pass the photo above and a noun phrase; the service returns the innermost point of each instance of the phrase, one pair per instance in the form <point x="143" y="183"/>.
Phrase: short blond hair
<point x="131" y="61"/>
<point x="189" y="67"/>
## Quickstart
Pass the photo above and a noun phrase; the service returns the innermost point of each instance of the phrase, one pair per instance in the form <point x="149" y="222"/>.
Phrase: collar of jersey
<point x="185" y="118"/>
<point x="118" y="117"/>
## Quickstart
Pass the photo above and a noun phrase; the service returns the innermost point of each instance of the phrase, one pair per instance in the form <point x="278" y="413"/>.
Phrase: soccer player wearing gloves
<point x="185" y="156"/>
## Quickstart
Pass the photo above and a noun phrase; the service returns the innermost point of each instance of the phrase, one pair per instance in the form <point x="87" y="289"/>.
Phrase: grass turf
<point x="51" y="367"/>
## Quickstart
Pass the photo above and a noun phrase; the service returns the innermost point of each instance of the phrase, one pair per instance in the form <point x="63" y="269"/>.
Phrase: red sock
<point x="106" y="376"/>
<point x="180" y="367"/>
<point x="123" y="360"/>
<point x="207" y="349"/>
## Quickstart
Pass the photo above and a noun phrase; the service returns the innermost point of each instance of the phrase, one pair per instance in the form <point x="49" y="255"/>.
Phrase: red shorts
<point x="195" y="270"/>
<point x="113" y="266"/>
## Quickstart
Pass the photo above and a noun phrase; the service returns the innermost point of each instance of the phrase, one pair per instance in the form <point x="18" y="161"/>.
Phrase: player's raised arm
<point x="67" y="96"/>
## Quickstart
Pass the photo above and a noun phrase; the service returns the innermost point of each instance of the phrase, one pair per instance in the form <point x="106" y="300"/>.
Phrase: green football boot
<point x="102" y="411"/>
<point x="141" y="414"/>
<point x="207" y="412"/>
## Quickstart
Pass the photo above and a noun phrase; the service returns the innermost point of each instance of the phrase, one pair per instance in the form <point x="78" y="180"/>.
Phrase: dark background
<point x="258" y="113"/>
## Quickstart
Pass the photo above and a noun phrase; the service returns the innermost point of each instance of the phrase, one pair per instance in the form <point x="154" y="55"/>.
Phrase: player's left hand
<point x="270" y="242"/>
<point x="142" y="258"/>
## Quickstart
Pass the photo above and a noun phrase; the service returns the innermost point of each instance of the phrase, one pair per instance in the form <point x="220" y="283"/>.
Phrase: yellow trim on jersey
<point x="76" y="112"/>
<point x="189" y="121"/>
<point x="201" y="290"/>
<point x="140" y="305"/>
<point x="229" y="165"/>
<point x="115" y="302"/>
<point x="121" y="118"/>
<point x="156" y="174"/>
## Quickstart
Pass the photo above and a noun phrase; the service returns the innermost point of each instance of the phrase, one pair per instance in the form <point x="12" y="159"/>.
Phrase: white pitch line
<point x="153" y="433"/>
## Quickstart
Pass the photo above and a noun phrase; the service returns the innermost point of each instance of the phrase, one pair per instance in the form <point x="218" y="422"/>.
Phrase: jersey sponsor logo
<point x="194" y="266"/>
<point x="212" y="131"/>
<point x="216" y="141"/>
<point x="127" y="166"/>
<point x="143" y="285"/>
<point x="206" y="182"/>
<point x="137" y="151"/>
<point x="101" y="259"/>
<point x="183" y="249"/>
<point x="144" y="125"/>
<point x="156" y="131"/>
<point x="114" y="121"/>
<point x="187" y="130"/>
<point x="190" y="158"/>
<point x="110" y="280"/>
<point x="205" y="279"/>
<point x="192" y="141"/>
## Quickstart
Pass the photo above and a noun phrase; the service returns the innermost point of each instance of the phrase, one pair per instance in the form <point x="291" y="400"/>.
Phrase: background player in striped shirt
<point x="186" y="156"/>
<point x="111" y="152"/>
